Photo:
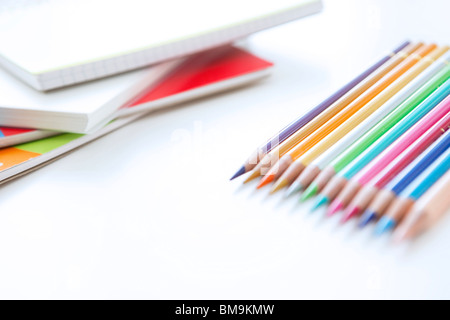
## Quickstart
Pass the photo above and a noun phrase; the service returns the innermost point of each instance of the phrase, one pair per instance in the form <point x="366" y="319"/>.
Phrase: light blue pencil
<point x="413" y="192"/>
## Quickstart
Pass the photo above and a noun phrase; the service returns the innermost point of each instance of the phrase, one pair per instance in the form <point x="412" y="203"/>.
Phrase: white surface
<point x="148" y="211"/>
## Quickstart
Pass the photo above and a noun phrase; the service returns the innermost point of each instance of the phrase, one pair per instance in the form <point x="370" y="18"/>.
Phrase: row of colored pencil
<point x="378" y="148"/>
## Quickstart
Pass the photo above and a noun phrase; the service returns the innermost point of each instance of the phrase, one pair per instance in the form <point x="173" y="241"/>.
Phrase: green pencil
<point x="339" y="181"/>
<point x="342" y="160"/>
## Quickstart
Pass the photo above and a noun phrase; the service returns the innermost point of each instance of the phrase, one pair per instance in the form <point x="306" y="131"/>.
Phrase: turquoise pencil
<point x="414" y="191"/>
<point x="340" y="180"/>
<point x="388" y="194"/>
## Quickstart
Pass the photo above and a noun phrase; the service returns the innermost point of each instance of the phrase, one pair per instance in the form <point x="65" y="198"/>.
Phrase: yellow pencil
<point x="292" y="172"/>
<point x="323" y="117"/>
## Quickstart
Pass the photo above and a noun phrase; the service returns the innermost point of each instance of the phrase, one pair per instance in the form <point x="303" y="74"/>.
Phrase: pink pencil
<point x="384" y="174"/>
<point x="390" y="153"/>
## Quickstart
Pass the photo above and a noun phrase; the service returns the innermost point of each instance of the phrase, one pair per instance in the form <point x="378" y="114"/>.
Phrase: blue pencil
<point x="433" y="100"/>
<point x="413" y="192"/>
<point x="357" y="164"/>
<point x="404" y="179"/>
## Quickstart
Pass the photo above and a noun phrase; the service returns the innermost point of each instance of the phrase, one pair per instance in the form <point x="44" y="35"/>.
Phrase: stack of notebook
<point x="70" y="72"/>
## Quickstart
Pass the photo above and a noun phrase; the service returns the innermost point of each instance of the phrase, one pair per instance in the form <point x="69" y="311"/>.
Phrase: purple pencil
<point x="289" y="130"/>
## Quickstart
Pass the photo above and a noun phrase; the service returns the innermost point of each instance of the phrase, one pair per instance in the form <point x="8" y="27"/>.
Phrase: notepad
<point x="50" y="44"/>
<point x="86" y="107"/>
<point x="201" y="75"/>
<point x="80" y="108"/>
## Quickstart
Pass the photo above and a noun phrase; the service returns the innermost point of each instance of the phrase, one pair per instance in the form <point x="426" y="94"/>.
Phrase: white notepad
<point x="55" y="43"/>
<point x="80" y="108"/>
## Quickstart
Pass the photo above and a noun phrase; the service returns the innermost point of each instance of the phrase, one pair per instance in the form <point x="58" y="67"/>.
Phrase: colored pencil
<point x="367" y="117"/>
<point x="405" y="115"/>
<point x="290" y="129"/>
<point x="339" y="181"/>
<point x="315" y="167"/>
<point x="384" y="198"/>
<point x="426" y="211"/>
<point x="406" y="200"/>
<point x="369" y="100"/>
<point x="331" y="111"/>
<point x="308" y="142"/>
<point x="380" y="145"/>
<point x="390" y="152"/>
<point x="383" y="169"/>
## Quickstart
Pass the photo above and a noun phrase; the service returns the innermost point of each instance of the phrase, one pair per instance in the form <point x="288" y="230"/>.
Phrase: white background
<point x="148" y="211"/>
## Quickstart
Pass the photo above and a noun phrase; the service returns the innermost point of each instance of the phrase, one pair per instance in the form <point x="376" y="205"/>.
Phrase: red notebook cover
<point x="196" y="72"/>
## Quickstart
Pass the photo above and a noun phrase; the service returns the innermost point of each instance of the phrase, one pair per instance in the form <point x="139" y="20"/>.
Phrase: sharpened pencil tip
<point x="335" y="207"/>
<point x="310" y="192"/>
<point x="400" y="235"/>
<point x="266" y="180"/>
<point x="350" y="213"/>
<point x="280" y="184"/>
<point x="367" y="218"/>
<point x="239" y="173"/>
<point x="385" y="224"/>
<point x="255" y="174"/>
<point x="294" y="188"/>
<point x="322" y="200"/>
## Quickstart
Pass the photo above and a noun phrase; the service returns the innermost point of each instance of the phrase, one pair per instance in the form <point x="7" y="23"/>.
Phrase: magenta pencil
<point x="390" y="153"/>
<point x="385" y="172"/>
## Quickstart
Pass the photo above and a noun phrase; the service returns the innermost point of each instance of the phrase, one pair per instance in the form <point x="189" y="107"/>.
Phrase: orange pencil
<point x="344" y="115"/>
<point x="343" y="128"/>
<point x="334" y="109"/>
